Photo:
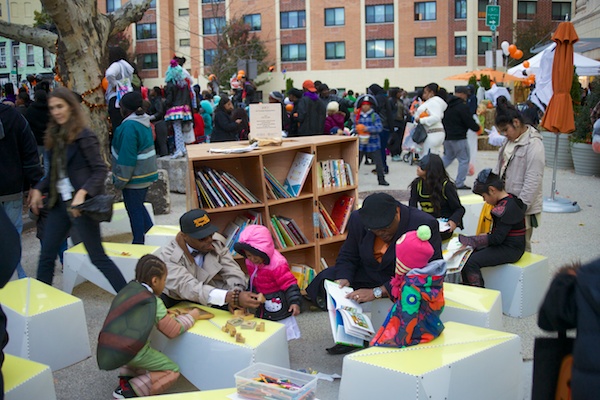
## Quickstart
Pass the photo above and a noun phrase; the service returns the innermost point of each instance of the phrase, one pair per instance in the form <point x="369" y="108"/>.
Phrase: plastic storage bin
<point x="248" y="387"/>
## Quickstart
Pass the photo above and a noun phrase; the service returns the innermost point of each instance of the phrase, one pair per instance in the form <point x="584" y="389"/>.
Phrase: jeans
<point x="384" y="136"/>
<point x="457" y="149"/>
<point x="85" y="230"/>
<point x="14" y="211"/>
<point x="138" y="215"/>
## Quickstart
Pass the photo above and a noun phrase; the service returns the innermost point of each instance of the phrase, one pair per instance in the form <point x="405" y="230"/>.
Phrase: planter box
<point x="564" y="160"/>
<point x="586" y="162"/>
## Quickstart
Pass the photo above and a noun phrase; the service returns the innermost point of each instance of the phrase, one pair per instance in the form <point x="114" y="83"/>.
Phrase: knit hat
<point x="309" y="85"/>
<point x="277" y="96"/>
<point x="333" y="106"/>
<point x="132" y="101"/>
<point x="413" y="250"/>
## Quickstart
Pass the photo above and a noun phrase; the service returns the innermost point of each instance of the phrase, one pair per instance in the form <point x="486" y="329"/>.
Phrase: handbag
<point x="187" y="129"/>
<point x="418" y="134"/>
<point x="548" y="357"/>
<point x="99" y="208"/>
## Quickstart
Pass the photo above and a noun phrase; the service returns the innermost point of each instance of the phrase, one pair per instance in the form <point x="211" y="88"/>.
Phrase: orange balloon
<point x="518" y="54"/>
<point x="104" y="83"/>
<point x="511" y="49"/>
<point x="289" y="107"/>
<point x="526" y="64"/>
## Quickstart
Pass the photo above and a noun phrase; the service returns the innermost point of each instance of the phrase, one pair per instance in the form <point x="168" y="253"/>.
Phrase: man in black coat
<point x="311" y="111"/>
<point x="457" y="121"/>
<point x="384" y="109"/>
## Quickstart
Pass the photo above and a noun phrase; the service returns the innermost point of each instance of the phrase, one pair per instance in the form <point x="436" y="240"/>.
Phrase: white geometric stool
<point x="161" y="235"/>
<point x="523" y="284"/>
<point x="45" y="324"/>
<point x="78" y="267"/>
<point x="26" y="379"/>
<point x="464" y="362"/>
<point x="472" y="306"/>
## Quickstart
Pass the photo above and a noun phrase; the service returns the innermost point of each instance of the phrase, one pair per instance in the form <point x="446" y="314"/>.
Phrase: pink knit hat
<point x="413" y="250"/>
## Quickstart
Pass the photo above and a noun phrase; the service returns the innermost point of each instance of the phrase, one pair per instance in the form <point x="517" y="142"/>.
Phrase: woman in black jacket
<point x="77" y="172"/>
<point x="225" y="128"/>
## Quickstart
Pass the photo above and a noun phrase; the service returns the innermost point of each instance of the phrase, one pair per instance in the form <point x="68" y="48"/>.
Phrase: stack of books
<point x="275" y="189"/>
<point x="286" y="232"/>
<point x="234" y="228"/>
<point x="334" y="174"/>
<point x="221" y="189"/>
<point x="303" y="273"/>
<point x="334" y="223"/>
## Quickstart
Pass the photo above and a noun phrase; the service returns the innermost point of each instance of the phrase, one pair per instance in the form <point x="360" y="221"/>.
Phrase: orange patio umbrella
<point x="496" y="76"/>
<point x="559" y="113"/>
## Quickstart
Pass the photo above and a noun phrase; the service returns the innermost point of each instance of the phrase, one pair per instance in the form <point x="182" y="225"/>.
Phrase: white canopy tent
<point x="584" y="66"/>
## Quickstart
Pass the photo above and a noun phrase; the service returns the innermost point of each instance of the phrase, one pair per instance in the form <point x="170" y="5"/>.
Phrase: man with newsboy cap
<point x="367" y="258"/>
<point x="201" y="269"/>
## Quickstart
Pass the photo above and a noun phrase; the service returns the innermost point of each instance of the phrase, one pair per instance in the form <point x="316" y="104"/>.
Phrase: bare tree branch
<point x="132" y="11"/>
<point x="27" y="34"/>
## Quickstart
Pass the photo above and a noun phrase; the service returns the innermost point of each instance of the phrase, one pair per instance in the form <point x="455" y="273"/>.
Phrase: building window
<point x="380" y="13"/>
<point x="526" y="9"/>
<point x="184" y="12"/>
<point x="112" y="5"/>
<point x="293" y="19"/>
<point x="3" y="55"/>
<point x="293" y="52"/>
<point x="15" y="52"/>
<point x="481" y="8"/>
<point x="561" y="11"/>
<point x="212" y="1"/>
<point x="253" y="20"/>
<point x="460" y="46"/>
<point x="425" y="47"/>
<point x="460" y="9"/>
<point x="30" y="57"/>
<point x="425" y="11"/>
<point x="145" y="31"/>
<point x="482" y="46"/>
<point x="334" y="16"/>
<point x="380" y="48"/>
<point x="47" y="59"/>
<point x="184" y="42"/>
<point x="209" y="56"/>
<point x="335" y="50"/>
<point x="212" y="26"/>
<point x="153" y="4"/>
<point x="149" y="61"/>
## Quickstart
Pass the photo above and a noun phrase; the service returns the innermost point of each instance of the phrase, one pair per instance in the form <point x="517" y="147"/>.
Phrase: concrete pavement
<point x="561" y="237"/>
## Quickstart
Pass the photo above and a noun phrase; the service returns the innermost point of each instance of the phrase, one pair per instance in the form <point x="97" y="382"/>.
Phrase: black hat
<point x="378" y="211"/>
<point x="196" y="224"/>
<point x="242" y="248"/>
<point x="461" y="89"/>
<point x="132" y="101"/>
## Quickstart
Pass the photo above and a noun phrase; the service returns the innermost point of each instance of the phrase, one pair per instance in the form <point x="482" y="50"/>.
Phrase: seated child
<point x="270" y="275"/>
<point x="506" y="242"/>
<point x="436" y="194"/>
<point x="334" y="122"/>
<point x="123" y="340"/>
<point x="417" y="292"/>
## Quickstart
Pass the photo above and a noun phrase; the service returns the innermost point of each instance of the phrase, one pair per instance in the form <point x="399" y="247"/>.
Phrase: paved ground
<point x="561" y="237"/>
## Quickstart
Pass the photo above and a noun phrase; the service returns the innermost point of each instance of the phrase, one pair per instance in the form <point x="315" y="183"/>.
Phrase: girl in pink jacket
<point x="270" y="275"/>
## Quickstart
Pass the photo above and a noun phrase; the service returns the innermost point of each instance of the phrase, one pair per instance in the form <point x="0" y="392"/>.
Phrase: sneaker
<point x="341" y="349"/>
<point x="464" y="187"/>
<point x="396" y="158"/>
<point x="177" y="154"/>
<point x="384" y="183"/>
<point x="386" y="171"/>
<point x="124" y="391"/>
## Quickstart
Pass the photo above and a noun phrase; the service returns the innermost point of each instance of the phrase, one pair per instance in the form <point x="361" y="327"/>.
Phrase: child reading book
<point x="417" y="292"/>
<point x="270" y="275"/>
<point x="123" y="340"/>
<point x="436" y="194"/>
<point x="506" y="242"/>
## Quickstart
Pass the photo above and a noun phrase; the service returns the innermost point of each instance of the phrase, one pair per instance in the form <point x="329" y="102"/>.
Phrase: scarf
<point x="58" y="166"/>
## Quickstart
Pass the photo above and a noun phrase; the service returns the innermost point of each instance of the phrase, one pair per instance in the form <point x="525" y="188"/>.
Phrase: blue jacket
<point x="133" y="154"/>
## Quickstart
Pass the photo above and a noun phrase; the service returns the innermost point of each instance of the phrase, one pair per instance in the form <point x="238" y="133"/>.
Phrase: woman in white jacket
<point x="118" y="69"/>
<point x="430" y="114"/>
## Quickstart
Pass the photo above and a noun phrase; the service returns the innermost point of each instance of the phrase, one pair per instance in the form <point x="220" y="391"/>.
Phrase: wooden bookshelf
<point x="247" y="168"/>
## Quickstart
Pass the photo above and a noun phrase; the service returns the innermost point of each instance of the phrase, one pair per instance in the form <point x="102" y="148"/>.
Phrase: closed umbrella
<point x="559" y="116"/>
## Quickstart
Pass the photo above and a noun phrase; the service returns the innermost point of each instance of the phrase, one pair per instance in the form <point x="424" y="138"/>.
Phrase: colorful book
<point x="340" y="213"/>
<point x="298" y="172"/>
<point x="349" y="175"/>
<point x="326" y="173"/>
<point x="296" y="229"/>
<point x="332" y="227"/>
<point x="276" y="234"/>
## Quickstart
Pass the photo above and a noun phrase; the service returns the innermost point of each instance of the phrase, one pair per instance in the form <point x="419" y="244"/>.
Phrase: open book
<point x="349" y="325"/>
<point x="456" y="255"/>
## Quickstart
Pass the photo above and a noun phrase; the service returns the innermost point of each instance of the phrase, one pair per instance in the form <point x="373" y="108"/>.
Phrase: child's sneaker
<point x="124" y="391"/>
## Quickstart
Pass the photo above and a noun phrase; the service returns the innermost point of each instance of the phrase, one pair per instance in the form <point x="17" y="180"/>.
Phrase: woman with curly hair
<point x="178" y="103"/>
<point x="434" y="192"/>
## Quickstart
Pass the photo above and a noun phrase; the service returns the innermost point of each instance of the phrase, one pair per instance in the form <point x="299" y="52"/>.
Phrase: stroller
<point x="410" y="150"/>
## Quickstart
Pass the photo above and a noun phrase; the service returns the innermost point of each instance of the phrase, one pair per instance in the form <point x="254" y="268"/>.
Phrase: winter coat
<point x="458" y="120"/>
<point x="384" y="108"/>
<point x="311" y="115"/>
<point x="207" y="116"/>
<point x="225" y="128"/>
<point x="133" y="154"/>
<point x="188" y="281"/>
<point x="178" y="98"/>
<point x="525" y="172"/>
<point x="116" y="71"/>
<point x="333" y="122"/>
<point x="435" y="108"/>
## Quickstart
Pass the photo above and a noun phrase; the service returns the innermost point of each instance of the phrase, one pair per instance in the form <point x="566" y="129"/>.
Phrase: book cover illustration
<point x="340" y="214"/>
<point x="298" y="173"/>
<point x="456" y="256"/>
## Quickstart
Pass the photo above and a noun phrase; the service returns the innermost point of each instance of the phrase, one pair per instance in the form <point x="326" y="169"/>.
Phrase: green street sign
<point x="486" y="39"/>
<point x="492" y="15"/>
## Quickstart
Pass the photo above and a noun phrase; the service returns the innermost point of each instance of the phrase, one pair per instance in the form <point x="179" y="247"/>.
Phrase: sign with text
<point x="492" y="16"/>
<point x="265" y="121"/>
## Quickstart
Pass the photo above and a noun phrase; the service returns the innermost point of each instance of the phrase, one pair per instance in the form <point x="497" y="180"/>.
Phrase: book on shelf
<point x="298" y="172"/>
<point x="327" y="217"/>
<point x="279" y="242"/>
<point x="456" y="256"/>
<point x="349" y="325"/>
<point x="231" y="231"/>
<point x="349" y="175"/>
<point x="275" y="187"/>
<point x="210" y="190"/>
<point x="324" y="264"/>
<point x="285" y="234"/>
<point x="241" y="188"/>
<point x="295" y="229"/>
<point x="326" y="173"/>
<point x="340" y="213"/>
<point x="303" y="273"/>
<point x="221" y="189"/>
<point x="324" y="228"/>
